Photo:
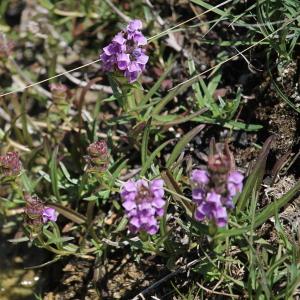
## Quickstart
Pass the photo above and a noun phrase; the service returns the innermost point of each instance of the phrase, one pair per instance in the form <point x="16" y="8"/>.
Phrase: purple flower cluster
<point x="143" y="202"/>
<point x="36" y="213"/>
<point x="125" y="53"/>
<point x="211" y="203"/>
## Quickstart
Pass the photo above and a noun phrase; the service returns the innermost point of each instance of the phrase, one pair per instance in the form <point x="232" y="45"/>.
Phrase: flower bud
<point x="59" y="92"/>
<point x="10" y="165"/>
<point x="220" y="160"/>
<point x="98" y="156"/>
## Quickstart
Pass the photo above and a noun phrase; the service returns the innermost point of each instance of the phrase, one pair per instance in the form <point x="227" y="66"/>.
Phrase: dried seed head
<point x="10" y="164"/>
<point x="59" y="92"/>
<point x="98" y="156"/>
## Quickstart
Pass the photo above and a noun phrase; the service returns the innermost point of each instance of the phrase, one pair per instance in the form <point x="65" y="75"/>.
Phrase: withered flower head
<point x="36" y="210"/>
<point x="59" y="92"/>
<point x="34" y="207"/>
<point x="10" y="164"/>
<point x="98" y="156"/>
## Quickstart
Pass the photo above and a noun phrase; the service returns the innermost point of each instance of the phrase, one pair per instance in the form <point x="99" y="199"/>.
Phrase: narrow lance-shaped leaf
<point x="54" y="173"/>
<point x="182" y="143"/>
<point x="68" y="213"/>
<point x="173" y="186"/>
<point x="144" y="150"/>
<point x="151" y="158"/>
<point x="264" y="215"/>
<point x="254" y="180"/>
<point x="157" y="84"/>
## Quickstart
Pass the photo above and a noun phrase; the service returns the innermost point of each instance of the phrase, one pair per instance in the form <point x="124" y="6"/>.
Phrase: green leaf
<point x="117" y="171"/>
<point x="68" y="213"/>
<point x="122" y="225"/>
<point x="275" y="206"/>
<point x="171" y="120"/>
<point x="157" y="84"/>
<point x="47" y="4"/>
<point x="151" y="158"/>
<point x="67" y="174"/>
<point x="54" y="174"/>
<point x="174" y="187"/>
<point x="209" y="6"/>
<point x="253" y="182"/>
<point x="144" y="150"/>
<point x="26" y="182"/>
<point x="263" y="215"/>
<point x="182" y="143"/>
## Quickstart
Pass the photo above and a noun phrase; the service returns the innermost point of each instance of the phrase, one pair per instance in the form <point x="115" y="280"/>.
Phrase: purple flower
<point x="212" y="209"/>
<point x="235" y="183"/>
<point x="200" y="177"/>
<point x="143" y="203"/>
<point x="36" y="213"/>
<point x="49" y="214"/>
<point x="134" y="25"/>
<point x="213" y="193"/>
<point x="125" y="53"/>
<point x="123" y="61"/>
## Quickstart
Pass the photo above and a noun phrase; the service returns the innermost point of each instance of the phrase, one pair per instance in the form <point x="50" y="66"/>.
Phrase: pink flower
<point x="235" y="183"/>
<point x="125" y="53"/>
<point x="49" y="214"/>
<point x="143" y="203"/>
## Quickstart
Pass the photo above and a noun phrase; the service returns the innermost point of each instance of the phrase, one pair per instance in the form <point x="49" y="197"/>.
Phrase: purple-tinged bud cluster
<point x="143" y="202"/>
<point x="125" y="53"/>
<point x="59" y="93"/>
<point x="213" y="190"/>
<point x="10" y="164"/>
<point x="36" y="213"/>
<point x="98" y="156"/>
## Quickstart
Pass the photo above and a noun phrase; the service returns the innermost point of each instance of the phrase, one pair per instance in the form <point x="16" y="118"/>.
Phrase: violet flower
<point x="214" y="189"/>
<point x="36" y="213"/>
<point x="143" y="203"/>
<point x="125" y="53"/>
<point x="49" y="214"/>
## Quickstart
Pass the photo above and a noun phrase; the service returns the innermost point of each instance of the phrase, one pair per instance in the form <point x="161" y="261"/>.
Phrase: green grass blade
<point x="182" y="143"/>
<point x="54" y="174"/>
<point x="254" y="180"/>
<point x="144" y="150"/>
<point x="158" y="83"/>
<point x="151" y="158"/>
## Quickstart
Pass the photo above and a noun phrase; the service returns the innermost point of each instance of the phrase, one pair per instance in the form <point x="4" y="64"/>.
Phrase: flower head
<point x="59" y="92"/>
<point x="125" y="53"/>
<point x="98" y="156"/>
<point x="214" y="188"/>
<point x="10" y="164"/>
<point x="143" y="203"/>
<point x="36" y="212"/>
